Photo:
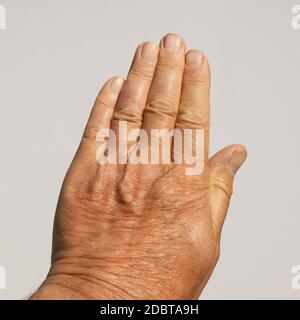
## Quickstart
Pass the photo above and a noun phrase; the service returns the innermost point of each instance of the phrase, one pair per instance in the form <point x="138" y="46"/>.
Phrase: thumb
<point x="223" y="167"/>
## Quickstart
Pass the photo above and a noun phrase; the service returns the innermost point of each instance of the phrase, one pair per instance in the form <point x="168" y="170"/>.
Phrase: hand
<point x="140" y="231"/>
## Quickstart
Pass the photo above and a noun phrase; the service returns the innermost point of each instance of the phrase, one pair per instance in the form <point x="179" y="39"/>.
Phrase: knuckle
<point x="130" y="99"/>
<point x="188" y="118"/>
<point x="161" y="110"/>
<point x="129" y="199"/>
<point x="105" y="102"/>
<point x="140" y="72"/>
<point x="90" y="133"/>
<point x="127" y="114"/>
<point x="169" y="65"/>
<point x="197" y="80"/>
<point x="221" y="182"/>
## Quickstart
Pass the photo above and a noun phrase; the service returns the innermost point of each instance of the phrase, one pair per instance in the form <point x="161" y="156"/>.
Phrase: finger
<point x="223" y="166"/>
<point x="133" y="97"/>
<point x="164" y="95"/>
<point x="194" y="107"/>
<point x="101" y="114"/>
<point x="100" y="118"/>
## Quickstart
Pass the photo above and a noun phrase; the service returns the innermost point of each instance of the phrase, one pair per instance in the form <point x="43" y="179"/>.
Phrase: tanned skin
<point x="129" y="231"/>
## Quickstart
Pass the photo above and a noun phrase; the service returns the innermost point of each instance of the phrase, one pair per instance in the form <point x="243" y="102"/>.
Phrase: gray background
<point x="55" y="55"/>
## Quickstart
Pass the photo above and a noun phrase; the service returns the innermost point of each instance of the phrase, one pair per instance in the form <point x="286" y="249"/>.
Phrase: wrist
<point x="52" y="290"/>
<point x="68" y="287"/>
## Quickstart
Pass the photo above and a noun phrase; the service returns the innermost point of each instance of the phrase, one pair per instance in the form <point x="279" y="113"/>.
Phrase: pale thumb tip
<point x="231" y="157"/>
<point x="237" y="157"/>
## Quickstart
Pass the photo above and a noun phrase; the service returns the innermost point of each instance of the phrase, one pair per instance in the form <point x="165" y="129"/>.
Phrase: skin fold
<point x="130" y="231"/>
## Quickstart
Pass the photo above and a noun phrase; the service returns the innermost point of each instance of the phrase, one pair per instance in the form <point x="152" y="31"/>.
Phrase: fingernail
<point x="116" y="85"/>
<point x="172" y="42"/>
<point x="194" y="59"/>
<point x="236" y="159"/>
<point x="149" y="51"/>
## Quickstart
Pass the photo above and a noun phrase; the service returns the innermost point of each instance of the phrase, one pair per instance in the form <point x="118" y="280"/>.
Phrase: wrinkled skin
<point x="143" y="231"/>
